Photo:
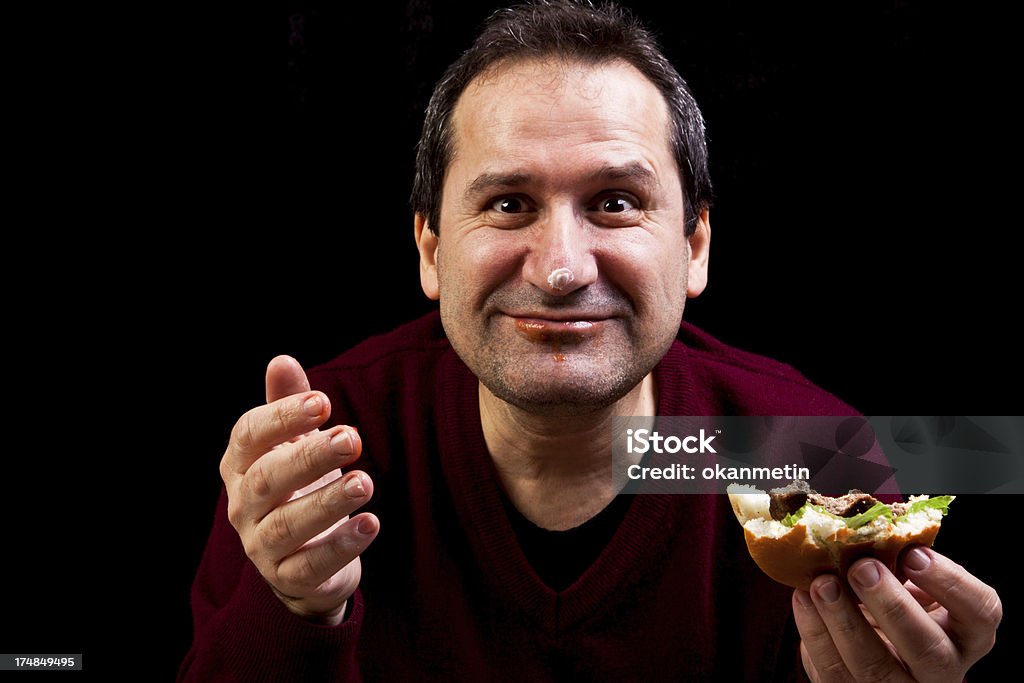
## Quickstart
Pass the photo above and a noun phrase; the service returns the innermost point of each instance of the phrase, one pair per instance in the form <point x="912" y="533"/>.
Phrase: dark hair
<point x="578" y="31"/>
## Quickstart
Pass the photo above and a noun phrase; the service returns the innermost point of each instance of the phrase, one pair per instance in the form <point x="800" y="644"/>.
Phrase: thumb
<point x="285" y="377"/>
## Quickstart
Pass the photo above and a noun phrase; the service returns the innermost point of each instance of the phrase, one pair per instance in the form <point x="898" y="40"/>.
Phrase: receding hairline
<point x="497" y="69"/>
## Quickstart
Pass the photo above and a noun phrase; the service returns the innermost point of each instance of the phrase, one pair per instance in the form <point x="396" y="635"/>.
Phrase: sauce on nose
<point x="560" y="278"/>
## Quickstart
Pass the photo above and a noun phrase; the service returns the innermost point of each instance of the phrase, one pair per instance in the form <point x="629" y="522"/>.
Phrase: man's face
<point x="562" y="166"/>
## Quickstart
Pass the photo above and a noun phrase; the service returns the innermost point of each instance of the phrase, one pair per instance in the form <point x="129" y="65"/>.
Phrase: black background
<point x="264" y="158"/>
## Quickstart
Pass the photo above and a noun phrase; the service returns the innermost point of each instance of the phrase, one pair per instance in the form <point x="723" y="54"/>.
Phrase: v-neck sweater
<point x="446" y="591"/>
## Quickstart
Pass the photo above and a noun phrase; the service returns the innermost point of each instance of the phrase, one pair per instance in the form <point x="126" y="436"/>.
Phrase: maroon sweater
<point x="447" y="593"/>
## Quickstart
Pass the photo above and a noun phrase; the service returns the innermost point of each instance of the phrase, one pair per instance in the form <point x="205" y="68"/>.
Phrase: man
<point x="562" y="220"/>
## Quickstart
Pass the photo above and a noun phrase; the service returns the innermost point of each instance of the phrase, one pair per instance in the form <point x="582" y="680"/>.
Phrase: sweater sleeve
<point x="242" y="632"/>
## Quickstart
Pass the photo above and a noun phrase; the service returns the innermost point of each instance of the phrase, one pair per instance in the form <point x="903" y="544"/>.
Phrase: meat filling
<point x="789" y="499"/>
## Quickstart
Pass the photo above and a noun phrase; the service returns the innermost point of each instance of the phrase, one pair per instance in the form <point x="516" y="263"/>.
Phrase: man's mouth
<point x="561" y="331"/>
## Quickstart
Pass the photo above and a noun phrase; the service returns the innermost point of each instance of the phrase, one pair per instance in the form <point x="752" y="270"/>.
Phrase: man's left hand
<point x="931" y="628"/>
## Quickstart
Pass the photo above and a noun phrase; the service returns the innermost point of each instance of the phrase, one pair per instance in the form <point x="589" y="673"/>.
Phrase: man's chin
<point x="561" y="396"/>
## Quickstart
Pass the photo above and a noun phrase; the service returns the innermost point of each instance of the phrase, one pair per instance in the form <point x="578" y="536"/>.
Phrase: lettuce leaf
<point x="792" y="518"/>
<point x="938" y="502"/>
<point x="876" y="510"/>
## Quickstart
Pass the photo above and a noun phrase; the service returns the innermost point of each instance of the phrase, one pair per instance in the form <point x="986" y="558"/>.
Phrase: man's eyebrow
<point x="486" y="183"/>
<point x="634" y="171"/>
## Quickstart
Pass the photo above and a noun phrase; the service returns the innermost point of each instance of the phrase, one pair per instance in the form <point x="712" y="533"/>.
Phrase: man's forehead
<point x="546" y="78"/>
<point x="539" y="75"/>
<point x="520" y="99"/>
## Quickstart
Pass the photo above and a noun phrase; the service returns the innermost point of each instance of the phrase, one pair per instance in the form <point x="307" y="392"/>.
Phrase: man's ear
<point x="426" y="242"/>
<point x="700" y="246"/>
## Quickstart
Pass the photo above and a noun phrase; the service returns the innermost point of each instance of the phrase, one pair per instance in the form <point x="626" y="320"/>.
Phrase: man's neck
<point x="557" y="470"/>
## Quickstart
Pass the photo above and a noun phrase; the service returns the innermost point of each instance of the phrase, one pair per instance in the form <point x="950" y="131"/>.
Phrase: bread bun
<point x="820" y="543"/>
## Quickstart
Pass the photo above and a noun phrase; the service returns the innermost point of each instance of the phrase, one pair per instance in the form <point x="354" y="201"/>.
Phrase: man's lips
<point x="564" y="331"/>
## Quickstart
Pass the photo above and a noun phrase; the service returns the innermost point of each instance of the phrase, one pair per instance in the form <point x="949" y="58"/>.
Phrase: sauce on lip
<point x="543" y="333"/>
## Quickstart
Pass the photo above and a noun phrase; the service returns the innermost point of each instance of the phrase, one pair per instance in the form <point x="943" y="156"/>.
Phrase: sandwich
<point x="794" y="533"/>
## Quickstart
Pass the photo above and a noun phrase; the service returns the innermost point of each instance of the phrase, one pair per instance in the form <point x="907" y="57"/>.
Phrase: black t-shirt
<point x="561" y="557"/>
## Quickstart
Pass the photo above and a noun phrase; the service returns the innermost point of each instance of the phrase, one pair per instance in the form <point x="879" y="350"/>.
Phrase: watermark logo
<point x="834" y="454"/>
<point x="642" y="440"/>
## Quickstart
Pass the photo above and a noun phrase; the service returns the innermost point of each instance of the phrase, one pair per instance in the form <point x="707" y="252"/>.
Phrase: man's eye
<point x="509" y="205"/>
<point x="615" y="205"/>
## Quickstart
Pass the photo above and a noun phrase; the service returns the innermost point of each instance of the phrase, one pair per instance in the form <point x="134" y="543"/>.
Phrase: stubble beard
<point x="584" y="382"/>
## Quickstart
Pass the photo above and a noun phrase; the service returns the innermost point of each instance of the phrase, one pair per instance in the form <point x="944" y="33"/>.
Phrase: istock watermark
<point x="646" y="439"/>
<point x="878" y="455"/>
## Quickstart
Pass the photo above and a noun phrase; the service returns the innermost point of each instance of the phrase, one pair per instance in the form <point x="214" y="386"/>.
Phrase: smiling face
<point x="562" y="265"/>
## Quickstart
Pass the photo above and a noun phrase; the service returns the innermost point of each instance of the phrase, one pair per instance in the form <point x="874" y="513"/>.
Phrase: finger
<point x="264" y="427"/>
<point x="922" y="644"/>
<point x="302" y="572"/>
<point x="973" y="606"/>
<point x="865" y="655"/>
<point x="869" y="616"/>
<point x="285" y="377"/>
<point x="291" y="525"/>
<point x="809" y="668"/>
<point x="923" y="598"/>
<point x="275" y="476"/>
<point x="821" y="659"/>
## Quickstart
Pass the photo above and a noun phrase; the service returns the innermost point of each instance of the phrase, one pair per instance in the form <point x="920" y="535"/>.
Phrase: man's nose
<point x="561" y="259"/>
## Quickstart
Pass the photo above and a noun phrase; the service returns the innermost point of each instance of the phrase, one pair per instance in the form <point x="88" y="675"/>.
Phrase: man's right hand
<point x="289" y="501"/>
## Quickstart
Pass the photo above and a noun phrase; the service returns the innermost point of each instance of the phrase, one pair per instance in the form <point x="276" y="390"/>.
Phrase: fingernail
<point x="342" y="443"/>
<point x="354" y="487"/>
<point x="829" y="591"/>
<point x="365" y="526"/>
<point x="804" y="598"/>
<point x="313" y="406"/>
<point x="918" y="560"/>
<point x="866" y="574"/>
